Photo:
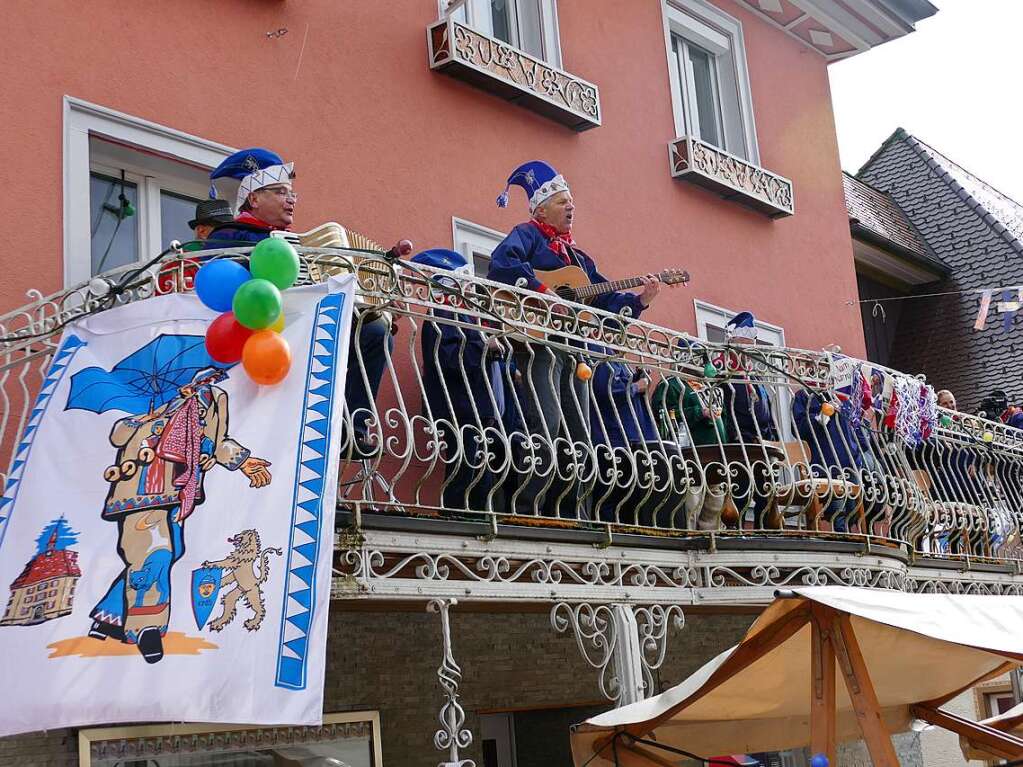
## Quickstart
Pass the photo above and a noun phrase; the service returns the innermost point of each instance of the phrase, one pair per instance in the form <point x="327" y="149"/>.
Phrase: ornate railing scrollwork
<point x="933" y="485"/>
<point x="594" y="629"/>
<point x="494" y="65"/>
<point x="732" y="177"/>
<point x="654" y="623"/>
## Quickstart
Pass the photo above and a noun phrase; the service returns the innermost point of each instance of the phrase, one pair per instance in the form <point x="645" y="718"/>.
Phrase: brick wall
<point x="56" y="748"/>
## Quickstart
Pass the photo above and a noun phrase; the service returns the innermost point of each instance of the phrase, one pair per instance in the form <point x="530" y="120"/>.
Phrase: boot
<point x="151" y="644"/>
<point x="101" y="630"/>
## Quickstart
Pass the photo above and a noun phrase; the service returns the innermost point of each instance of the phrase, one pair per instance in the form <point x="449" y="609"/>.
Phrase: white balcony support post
<point x="452" y="735"/>
<point x="628" y="656"/>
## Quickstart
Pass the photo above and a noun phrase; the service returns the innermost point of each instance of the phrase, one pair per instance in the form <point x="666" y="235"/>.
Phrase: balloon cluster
<point x="249" y="329"/>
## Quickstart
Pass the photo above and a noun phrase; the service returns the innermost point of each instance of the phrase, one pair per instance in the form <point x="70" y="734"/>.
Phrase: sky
<point x="956" y="84"/>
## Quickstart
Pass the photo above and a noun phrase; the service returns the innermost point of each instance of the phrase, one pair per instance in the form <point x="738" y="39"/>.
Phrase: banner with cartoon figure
<point x="166" y="528"/>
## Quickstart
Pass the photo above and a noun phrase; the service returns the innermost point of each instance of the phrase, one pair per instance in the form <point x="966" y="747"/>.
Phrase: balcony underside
<point x="412" y="559"/>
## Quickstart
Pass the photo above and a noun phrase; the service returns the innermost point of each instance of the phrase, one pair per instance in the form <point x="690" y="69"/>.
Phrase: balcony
<point x="462" y="492"/>
<point x="512" y="74"/>
<point x="731" y="177"/>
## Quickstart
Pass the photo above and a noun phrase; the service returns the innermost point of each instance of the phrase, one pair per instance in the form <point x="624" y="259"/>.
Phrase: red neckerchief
<point x="247" y="218"/>
<point x="559" y="243"/>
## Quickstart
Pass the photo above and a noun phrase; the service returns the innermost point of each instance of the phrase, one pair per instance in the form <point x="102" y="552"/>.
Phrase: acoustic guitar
<point x="572" y="283"/>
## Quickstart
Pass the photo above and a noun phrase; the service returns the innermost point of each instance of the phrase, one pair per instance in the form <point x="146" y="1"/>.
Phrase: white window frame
<point x="714" y="30"/>
<point x="83" y="119"/>
<point x="767" y="333"/>
<point x="471" y="239"/>
<point x="476" y="14"/>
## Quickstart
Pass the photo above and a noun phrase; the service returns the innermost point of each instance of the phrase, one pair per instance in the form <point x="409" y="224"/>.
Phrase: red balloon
<point x="226" y="337"/>
<point x="266" y="357"/>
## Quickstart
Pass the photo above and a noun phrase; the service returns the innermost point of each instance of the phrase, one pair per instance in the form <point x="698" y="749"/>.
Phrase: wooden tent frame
<point x="833" y="644"/>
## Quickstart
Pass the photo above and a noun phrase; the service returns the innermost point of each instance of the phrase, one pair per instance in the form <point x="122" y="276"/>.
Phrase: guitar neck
<point x="591" y="291"/>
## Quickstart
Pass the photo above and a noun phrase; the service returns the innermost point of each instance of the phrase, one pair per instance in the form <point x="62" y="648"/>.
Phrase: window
<point x="710" y="90"/>
<point x="997" y="703"/>
<point x="710" y="326"/>
<point x="530" y="25"/>
<point x="130" y="187"/>
<point x="159" y="197"/>
<point x="475" y="242"/>
<point x="711" y="321"/>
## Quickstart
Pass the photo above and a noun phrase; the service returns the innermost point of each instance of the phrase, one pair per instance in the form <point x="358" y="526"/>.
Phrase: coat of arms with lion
<point x="237" y="569"/>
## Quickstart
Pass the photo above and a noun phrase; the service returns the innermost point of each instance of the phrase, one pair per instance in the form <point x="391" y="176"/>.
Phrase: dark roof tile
<point x="879" y="213"/>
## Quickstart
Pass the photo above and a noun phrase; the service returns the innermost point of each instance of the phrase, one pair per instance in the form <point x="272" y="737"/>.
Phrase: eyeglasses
<point x="281" y="191"/>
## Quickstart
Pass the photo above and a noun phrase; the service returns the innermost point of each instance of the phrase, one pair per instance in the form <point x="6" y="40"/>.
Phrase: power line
<point x="932" y="295"/>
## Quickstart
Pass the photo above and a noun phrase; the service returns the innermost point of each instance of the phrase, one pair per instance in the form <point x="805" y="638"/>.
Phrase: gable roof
<point x="874" y="212"/>
<point x="49" y="564"/>
<point x="1003" y="214"/>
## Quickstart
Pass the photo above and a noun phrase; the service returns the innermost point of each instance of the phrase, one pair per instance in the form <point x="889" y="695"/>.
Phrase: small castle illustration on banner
<point x="46" y="587"/>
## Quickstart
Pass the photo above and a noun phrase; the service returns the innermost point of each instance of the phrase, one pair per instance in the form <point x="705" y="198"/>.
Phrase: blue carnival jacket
<point x="751" y="407"/>
<point x="832" y="445"/>
<point x="446" y="349"/>
<point x="613" y="395"/>
<point x="235" y="234"/>
<point x="525" y="249"/>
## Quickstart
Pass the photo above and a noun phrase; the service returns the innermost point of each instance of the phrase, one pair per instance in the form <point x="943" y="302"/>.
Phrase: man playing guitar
<point x="545" y="243"/>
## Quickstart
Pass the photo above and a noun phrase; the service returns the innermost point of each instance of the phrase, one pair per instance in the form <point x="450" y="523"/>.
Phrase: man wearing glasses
<point x="265" y="198"/>
<point x="266" y="203"/>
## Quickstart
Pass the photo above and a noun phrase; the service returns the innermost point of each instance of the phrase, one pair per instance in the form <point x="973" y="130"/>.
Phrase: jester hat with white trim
<point x="540" y="181"/>
<point x="254" y="169"/>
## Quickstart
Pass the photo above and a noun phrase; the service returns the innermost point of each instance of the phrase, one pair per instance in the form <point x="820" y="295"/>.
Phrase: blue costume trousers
<point x="371" y="343"/>
<point x="149" y="542"/>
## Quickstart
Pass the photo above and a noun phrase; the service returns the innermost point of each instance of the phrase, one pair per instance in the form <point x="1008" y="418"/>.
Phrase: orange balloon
<point x="266" y="357"/>
<point x="278" y="325"/>
<point x="583" y="371"/>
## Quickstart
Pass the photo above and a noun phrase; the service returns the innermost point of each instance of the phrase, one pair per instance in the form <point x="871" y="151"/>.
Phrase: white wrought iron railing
<point x="650" y="431"/>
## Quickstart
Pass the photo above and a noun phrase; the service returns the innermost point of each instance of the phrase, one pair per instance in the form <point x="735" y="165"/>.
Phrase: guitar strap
<point x="573" y="256"/>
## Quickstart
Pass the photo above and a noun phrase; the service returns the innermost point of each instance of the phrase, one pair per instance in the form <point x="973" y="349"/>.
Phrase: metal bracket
<point x="625" y="644"/>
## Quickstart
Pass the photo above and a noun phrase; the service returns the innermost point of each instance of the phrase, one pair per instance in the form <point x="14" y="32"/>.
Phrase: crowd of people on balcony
<point x="476" y="386"/>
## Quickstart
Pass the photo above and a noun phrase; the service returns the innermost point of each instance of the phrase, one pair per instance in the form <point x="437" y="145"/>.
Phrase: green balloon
<point x="275" y="260"/>
<point x="256" y="304"/>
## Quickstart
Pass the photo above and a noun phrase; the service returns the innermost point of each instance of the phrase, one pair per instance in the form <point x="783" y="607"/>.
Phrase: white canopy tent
<point x="901" y="656"/>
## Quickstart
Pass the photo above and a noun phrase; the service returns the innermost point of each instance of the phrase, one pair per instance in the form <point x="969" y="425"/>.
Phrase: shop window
<point x="351" y="739"/>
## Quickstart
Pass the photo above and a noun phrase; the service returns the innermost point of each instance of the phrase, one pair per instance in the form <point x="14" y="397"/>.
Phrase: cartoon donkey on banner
<point x="176" y="434"/>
